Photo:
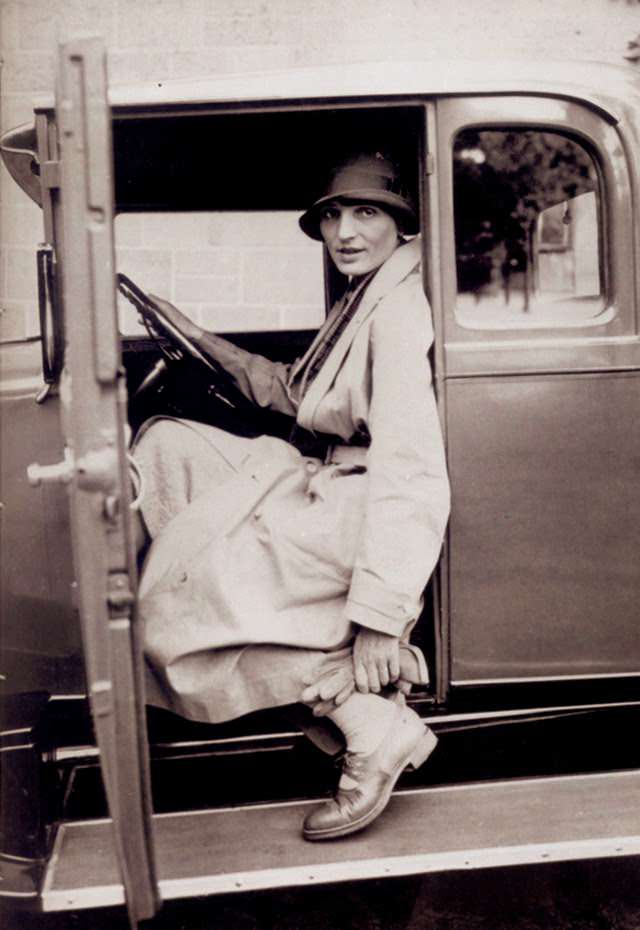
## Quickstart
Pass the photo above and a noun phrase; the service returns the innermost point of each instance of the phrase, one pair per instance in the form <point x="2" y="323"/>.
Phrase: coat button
<point x="312" y="467"/>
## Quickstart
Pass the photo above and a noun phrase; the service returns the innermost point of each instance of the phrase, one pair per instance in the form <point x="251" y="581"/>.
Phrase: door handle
<point x="60" y="473"/>
<point x="95" y="471"/>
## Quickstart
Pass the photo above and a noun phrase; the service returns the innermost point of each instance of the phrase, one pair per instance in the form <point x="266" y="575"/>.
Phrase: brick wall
<point x="229" y="272"/>
<point x="156" y="39"/>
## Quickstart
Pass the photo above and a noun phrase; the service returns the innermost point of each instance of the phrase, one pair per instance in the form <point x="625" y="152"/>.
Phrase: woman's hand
<point x="376" y="660"/>
<point x="332" y="683"/>
<point x="182" y="322"/>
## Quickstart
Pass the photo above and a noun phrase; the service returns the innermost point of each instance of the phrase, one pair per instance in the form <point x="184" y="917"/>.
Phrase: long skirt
<point x="243" y="589"/>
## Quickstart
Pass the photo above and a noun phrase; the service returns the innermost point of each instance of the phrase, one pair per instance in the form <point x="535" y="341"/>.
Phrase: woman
<point x="275" y="577"/>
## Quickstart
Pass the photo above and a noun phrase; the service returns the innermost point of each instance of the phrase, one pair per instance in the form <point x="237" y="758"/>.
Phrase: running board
<point x="427" y="830"/>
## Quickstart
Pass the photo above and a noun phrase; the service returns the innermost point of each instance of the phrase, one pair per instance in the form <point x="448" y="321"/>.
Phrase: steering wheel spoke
<point x="176" y="337"/>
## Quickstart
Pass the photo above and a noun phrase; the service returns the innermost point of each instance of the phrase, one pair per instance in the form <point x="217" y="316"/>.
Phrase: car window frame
<point x="506" y="350"/>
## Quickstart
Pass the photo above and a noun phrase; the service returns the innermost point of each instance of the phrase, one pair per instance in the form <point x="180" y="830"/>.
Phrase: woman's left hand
<point x="376" y="660"/>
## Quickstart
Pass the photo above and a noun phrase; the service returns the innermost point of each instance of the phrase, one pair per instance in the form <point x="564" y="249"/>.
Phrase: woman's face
<point x="359" y="236"/>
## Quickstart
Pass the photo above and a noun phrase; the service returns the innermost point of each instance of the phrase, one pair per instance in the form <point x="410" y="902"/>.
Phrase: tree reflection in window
<point x="518" y="199"/>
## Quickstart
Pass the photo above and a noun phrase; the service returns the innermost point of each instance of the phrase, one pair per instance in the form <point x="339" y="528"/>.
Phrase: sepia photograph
<point x="320" y="465"/>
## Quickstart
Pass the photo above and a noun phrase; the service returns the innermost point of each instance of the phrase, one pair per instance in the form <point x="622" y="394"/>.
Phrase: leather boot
<point x="368" y="779"/>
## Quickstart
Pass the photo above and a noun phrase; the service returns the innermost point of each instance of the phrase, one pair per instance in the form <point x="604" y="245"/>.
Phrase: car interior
<point x="230" y="169"/>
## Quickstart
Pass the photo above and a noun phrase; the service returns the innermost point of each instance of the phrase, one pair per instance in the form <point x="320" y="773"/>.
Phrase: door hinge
<point x="429" y="163"/>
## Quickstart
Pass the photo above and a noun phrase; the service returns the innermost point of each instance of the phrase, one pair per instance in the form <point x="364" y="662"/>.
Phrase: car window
<point x="229" y="272"/>
<point x="527" y="226"/>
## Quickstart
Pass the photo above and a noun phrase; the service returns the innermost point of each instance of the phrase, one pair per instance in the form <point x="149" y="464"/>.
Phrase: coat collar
<point x="403" y="261"/>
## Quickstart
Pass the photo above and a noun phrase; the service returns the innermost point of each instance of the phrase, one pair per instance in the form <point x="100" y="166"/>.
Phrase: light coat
<point x="288" y="551"/>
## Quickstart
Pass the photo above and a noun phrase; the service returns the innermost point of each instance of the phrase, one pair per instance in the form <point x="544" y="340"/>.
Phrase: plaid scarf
<point x="344" y="312"/>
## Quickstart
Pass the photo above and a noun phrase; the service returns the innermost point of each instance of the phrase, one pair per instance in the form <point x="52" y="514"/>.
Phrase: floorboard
<point x="436" y="829"/>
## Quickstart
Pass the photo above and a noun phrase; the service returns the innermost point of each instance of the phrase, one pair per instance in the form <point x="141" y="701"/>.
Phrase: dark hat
<point x="364" y="179"/>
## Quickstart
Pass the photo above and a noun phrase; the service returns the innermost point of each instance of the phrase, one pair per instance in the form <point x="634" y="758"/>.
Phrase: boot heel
<point x="426" y="744"/>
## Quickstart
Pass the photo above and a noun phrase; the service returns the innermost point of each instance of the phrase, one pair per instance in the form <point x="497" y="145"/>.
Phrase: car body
<point x="527" y="178"/>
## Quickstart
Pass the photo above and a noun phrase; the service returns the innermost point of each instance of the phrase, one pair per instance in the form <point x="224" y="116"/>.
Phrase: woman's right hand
<point x="376" y="660"/>
<point x="335" y="681"/>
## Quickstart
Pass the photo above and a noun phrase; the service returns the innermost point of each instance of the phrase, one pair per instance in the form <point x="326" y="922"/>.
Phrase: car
<point x="528" y="184"/>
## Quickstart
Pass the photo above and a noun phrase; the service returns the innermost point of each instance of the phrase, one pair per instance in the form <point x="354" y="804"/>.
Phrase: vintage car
<point x="528" y="181"/>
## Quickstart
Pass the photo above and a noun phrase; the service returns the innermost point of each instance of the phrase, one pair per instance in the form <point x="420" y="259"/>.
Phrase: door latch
<point x="95" y="471"/>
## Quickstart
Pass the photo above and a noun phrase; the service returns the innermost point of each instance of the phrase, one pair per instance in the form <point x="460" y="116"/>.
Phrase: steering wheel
<point x="176" y="337"/>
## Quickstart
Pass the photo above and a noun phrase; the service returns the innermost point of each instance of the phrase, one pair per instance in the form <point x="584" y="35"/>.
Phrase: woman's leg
<point x="221" y="684"/>
<point x="178" y="460"/>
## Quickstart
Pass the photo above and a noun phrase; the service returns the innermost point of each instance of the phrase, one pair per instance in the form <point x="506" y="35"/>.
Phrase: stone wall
<point x="156" y="39"/>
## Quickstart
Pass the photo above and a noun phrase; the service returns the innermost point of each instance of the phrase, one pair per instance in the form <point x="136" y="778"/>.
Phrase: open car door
<point x="93" y="409"/>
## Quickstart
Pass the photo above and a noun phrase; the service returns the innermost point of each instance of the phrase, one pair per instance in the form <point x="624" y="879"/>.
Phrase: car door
<point x="542" y="386"/>
<point x="93" y="399"/>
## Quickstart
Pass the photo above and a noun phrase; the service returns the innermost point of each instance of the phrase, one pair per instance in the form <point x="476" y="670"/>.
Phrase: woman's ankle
<point x="364" y="719"/>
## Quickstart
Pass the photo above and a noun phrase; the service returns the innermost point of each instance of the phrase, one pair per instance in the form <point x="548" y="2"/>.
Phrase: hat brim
<point x="402" y="212"/>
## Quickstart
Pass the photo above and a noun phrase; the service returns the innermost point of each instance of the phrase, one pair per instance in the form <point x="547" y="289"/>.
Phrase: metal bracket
<point x="50" y="174"/>
<point x="119" y="594"/>
<point x="44" y="392"/>
<point x="102" y="698"/>
<point x="98" y="470"/>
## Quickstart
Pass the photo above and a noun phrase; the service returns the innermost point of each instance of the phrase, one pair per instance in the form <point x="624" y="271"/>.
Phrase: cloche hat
<point x="364" y="178"/>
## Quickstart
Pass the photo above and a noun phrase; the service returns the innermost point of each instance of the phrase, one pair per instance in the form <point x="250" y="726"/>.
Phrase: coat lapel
<point x="403" y="261"/>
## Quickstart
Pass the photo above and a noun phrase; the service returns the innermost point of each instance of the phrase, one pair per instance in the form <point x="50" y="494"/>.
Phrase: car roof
<point x="603" y="86"/>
